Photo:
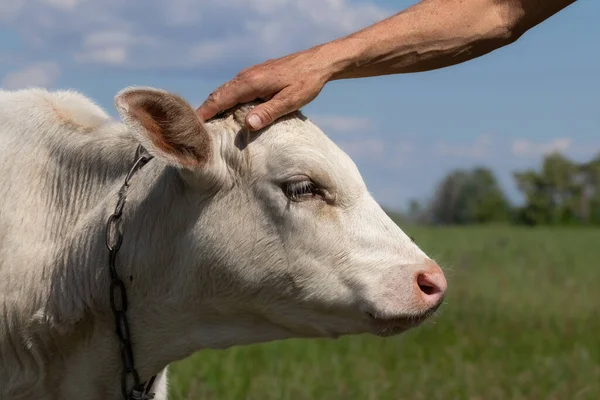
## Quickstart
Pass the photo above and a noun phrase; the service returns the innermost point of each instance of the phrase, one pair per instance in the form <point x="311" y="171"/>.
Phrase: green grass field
<point x="521" y="321"/>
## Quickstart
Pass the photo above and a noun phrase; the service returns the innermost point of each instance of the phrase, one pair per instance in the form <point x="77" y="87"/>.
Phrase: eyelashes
<point x="300" y="190"/>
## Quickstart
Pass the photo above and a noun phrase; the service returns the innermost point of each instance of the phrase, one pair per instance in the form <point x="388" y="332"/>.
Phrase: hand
<point x="286" y="84"/>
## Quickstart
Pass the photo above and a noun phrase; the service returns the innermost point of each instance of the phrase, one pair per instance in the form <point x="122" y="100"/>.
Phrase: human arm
<point x="429" y="35"/>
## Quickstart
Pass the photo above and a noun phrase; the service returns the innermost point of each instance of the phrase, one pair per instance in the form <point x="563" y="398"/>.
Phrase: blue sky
<point x="503" y="110"/>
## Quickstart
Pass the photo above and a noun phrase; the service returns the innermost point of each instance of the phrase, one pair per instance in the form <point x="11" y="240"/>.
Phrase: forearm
<point x="435" y="34"/>
<point x="429" y="35"/>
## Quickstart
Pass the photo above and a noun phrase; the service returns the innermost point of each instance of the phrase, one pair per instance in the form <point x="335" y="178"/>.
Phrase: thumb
<point x="266" y="113"/>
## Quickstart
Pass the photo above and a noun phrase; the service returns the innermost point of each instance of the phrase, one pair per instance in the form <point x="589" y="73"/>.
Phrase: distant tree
<point x="469" y="197"/>
<point x="488" y="203"/>
<point x="415" y="212"/>
<point x="562" y="192"/>
<point x="589" y="175"/>
<point x="448" y="204"/>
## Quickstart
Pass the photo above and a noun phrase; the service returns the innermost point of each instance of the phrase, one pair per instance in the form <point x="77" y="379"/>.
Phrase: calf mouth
<point x="384" y="327"/>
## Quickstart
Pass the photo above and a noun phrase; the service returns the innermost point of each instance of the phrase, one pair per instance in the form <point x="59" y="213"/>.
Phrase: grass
<point x="521" y="321"/>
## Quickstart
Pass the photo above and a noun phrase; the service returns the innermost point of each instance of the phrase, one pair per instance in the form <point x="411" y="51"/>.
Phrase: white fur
<point x="235" y="265"/>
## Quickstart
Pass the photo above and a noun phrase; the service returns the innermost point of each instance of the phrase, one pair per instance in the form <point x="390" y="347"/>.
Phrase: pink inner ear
<point x="172" y="126"/>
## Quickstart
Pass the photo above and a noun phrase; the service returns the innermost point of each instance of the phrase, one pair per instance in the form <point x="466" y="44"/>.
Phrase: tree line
<point x="560" y="192"/>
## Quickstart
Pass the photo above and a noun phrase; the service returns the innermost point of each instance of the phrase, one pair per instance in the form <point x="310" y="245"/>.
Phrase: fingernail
<point x="254" y="121"/>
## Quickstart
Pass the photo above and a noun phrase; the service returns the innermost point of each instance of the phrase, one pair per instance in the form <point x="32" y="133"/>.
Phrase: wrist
<point x="340" y="58"/>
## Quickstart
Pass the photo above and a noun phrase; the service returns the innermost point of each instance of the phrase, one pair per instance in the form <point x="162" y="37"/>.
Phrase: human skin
<point x="431" y="34"/>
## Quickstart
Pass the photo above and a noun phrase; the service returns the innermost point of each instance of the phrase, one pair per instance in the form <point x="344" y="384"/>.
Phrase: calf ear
<point x="166" y="125"/>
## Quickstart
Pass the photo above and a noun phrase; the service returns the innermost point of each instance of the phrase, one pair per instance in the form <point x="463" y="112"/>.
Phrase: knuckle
<point x="249" y="77"/>
<point x="246" y="70"/>
<point x="241" y="82"/>
<point x="254" y="77"/>
<point x="213" y="98"/>
<point x="244" y="75"/>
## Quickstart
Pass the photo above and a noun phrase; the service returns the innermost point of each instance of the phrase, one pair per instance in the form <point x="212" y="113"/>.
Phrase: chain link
<point x="118" y="295"/>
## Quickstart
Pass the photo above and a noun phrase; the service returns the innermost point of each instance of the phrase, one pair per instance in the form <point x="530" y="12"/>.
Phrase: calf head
<point x="286" y="241"/>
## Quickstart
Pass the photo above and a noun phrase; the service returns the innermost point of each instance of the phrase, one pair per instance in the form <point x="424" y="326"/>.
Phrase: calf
<point x="219" y="237"/>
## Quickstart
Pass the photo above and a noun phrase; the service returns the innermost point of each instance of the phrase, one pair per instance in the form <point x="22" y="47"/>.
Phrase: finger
<point x="226" y="96"/>
<point x="281" y="104"/>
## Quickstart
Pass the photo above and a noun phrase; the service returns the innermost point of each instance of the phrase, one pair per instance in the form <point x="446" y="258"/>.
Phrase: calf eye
<point x="300" y="190"/>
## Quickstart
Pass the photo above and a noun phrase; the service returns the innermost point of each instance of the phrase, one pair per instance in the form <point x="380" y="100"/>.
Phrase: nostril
<point x="426" y="285"/>
<point x="430" y="284"/>
<point x="428" y="288"/>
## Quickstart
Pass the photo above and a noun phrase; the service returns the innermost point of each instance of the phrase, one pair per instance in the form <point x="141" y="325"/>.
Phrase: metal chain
<point x="118" y="296"/>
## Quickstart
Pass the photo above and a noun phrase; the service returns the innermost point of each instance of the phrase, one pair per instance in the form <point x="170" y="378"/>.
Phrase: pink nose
<point x="432" y="284"/>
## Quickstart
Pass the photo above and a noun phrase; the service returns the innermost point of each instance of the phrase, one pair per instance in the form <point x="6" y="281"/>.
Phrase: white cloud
<point x="185" y="34"/>
<point x="527" y="148"/>
<point x="113" y="55"/>
<point x="341" y="123"/>
<point x="481" y="148"/>
<point x="110" y="47"/>
<point x="42" y="74"/>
